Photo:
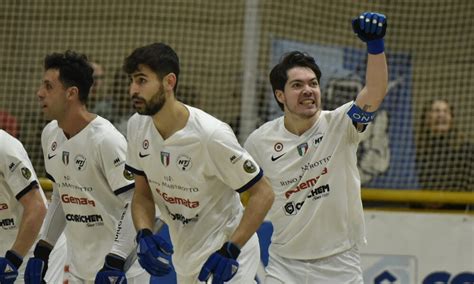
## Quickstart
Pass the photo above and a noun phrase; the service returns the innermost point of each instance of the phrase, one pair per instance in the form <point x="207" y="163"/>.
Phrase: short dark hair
<point x="159" y="57"/>
<point x="74" y="70"/>
<point x="279" y="73"/>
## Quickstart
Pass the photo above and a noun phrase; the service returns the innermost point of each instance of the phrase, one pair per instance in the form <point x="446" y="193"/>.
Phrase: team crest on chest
<point x="302" y="149"/>
<point x="165" y="158"/>
<point x="184" y="162"/>
<point x="66" y="158"/>
<point x="80" y="162"/>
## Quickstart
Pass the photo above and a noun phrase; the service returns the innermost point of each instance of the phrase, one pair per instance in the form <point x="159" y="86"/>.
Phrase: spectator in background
<point x="444" y="155"/>
<point x="9" y="123"/>
<point x="100" y="102"/>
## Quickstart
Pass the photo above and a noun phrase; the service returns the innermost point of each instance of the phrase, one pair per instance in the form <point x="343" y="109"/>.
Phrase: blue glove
<point x="9" y="267"/>
<point x="38" y="265"/>
<point x="154" y="253"/>
<point x="112" y="272"/>
<point x="370" y="28"/>
<point x="222" y="264"/>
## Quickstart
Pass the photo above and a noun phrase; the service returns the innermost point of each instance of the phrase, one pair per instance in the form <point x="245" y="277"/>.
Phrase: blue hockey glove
<point x="112" y="272"/>
<point x="222" y="264"/>
<point x="370" y="28"/>
<point x="9" y="267"/>
<point x="38" y="265"/>
<point x="154" y="253"/>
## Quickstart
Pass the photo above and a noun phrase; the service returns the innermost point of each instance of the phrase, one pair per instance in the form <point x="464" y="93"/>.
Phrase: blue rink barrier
<point x="264" y="234"/>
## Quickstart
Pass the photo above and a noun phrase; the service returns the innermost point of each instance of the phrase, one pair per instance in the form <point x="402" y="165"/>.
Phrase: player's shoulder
<point x="204" y="122"/>
<point x="267" y="129"/>
<point x="104" y="130"/>
<point x="50" y="128"/>
<point x="138" y="125"/>
<point x="7" y="142"/>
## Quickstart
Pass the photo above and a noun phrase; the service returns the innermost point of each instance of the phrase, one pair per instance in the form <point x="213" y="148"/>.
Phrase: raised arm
<point x="371" y="28"/>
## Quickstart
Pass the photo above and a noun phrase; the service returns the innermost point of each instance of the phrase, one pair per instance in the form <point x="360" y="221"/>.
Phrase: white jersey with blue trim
<point x="195" y="176"/>
<point x="17" y="177"/>
<point x="88" y="172"/>
<point x="317" y="210"/>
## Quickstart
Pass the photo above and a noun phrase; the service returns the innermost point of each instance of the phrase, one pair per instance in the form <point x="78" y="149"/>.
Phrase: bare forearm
<point x="143" y="211"/>
<point x="376" y="83"/>
<point x="30" y="226"/>
<point x="260" y="201"/>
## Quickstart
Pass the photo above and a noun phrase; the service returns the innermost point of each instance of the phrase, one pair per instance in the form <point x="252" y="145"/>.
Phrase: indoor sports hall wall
<point x="226" y="50"/>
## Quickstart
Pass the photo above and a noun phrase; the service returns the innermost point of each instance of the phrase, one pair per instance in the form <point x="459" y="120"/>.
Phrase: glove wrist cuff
<point x="143" y="233"/>
<point x="14" y="258"/>
<point x="42" y="252"/>
<point x="230" y="250"/>
<point x="375" y="46"/>
<point x="114" y="261"/>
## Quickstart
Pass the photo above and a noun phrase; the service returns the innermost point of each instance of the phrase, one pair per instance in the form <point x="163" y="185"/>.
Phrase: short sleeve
<point x="113" y="154"/>
<point x="132" y="163"/>
<point x="233" y="164"/>
<point x="17" y="168"/>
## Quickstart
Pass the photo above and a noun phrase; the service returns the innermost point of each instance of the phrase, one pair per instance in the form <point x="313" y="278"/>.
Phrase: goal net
<point x="226" y="50"/>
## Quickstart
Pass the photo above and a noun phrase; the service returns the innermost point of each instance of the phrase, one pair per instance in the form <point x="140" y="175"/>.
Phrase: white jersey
<point x="17" y="177"/>
<point x="88" y="172"/>
<point x="317" y="210"/>
<point x="194" y="176"/>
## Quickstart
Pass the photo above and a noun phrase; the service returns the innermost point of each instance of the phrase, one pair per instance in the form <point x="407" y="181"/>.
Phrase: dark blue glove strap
<point x="375" y="46"/>
<point x="230" y="250"/>
<point x="14" y="258"/>
<point x="143" y="233"/>
<point x="114" y="262"/>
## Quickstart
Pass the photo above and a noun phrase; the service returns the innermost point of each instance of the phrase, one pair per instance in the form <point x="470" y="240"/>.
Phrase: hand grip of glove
<point x="154" y="253"/>
<point x="37" y="265"/>
<point x="222" y="264"/>
<point x="9" y="267"/>
<point x="371" y="28"/>
<point x="112" y="272"/>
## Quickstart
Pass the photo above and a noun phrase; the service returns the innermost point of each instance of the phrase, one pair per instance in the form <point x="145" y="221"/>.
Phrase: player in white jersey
<point x="309" y="155"/>
<point x="22" y="208"/>
<point x="84" y="157"/>
<point x="191" y="165"/>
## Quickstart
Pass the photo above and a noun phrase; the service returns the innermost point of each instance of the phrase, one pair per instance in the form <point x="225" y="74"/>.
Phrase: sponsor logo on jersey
<point x="120" y="224"/>
<point x="3" y="206"/>
<point x="80" y="162"/>
<point x="292" y="208"/>
<point x="234" y="159"/>
<point x="66" y="158"/>
<point x="249" y="167"/>
<point x="184" y="162"/>
<point x="178" y="187"/>
<point x="90" y="220"/>
<point x="12" y="167"/>
<point x="165" y="158"/>
<point x="181" y="218"/>
<point x="128" y="175"/>
<point x="118" y="162"/>
<point x="306" y="184"/>
<point x="66" y="184"/>
<point x="26" y="173"/>
<point x="145" y="144"/>
<point x="318" y="139"/>
<point x="53" y="146"/>
<point x="274" y="158"/>
<point x="142" y="155"/>
<point x="302" y="149"/>
<point x="51" y="156"/>
<point x="278" y="147"/>
<point x="177" y="200"/>
<point x="65" y="198"/>
<point x="7" y="224"/>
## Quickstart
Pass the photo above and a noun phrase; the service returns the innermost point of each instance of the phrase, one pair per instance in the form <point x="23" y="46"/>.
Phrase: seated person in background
<point x="444" y="155"/>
